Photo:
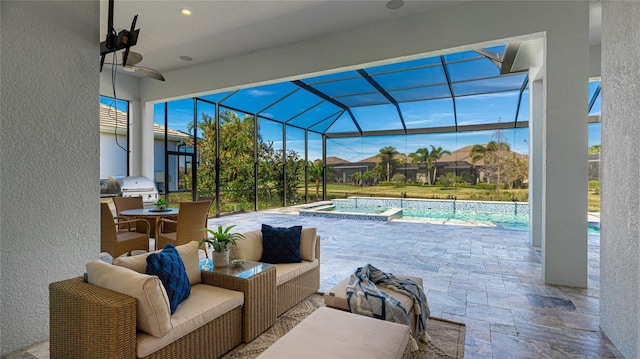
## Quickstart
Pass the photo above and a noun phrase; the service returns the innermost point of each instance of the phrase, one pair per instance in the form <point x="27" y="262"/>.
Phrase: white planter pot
<point x="220" y="259"/>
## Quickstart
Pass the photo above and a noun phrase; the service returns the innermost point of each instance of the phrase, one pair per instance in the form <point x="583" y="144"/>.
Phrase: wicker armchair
<point x="115" y="241"/>
<point x="87" y="321"/>
<point x="192" y="218"/>
<point x="126" y="203"/>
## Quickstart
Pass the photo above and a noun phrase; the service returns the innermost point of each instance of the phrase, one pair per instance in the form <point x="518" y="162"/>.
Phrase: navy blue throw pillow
<point x="168" y="266"/>
<point x="281" y="245"/>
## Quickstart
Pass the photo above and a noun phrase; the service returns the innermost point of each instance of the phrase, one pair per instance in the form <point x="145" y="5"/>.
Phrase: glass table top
<point x="246" y="270"/>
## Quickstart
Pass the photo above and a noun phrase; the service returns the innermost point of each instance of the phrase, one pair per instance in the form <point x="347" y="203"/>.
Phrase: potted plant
<point x="220" y="240"/>
<point x="160" y="204"/>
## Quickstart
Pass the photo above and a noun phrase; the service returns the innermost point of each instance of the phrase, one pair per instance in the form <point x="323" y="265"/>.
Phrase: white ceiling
<point x="219" y="29"/>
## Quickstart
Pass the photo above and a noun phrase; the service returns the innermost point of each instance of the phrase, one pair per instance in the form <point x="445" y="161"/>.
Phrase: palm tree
<point x="436" y="154"/>
<point x="315" y="174"/>
<point x="422" y="155"/>
<point x="387" y="161"/>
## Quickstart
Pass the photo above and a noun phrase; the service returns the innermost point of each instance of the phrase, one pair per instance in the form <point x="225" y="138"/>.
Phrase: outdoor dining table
<point x="151" y="215"/>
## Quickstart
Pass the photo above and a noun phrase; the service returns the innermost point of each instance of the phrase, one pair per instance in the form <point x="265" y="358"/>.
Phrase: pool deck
<point x="488" y="278"/>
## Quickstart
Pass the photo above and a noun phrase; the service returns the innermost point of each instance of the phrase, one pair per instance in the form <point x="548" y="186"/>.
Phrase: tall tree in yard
<point x="435" y="155"/>
<point x="493" y="155"/>
<point x="387" y="161"/>
<point x="315" y="174"/>
<point x="422" y="155"/>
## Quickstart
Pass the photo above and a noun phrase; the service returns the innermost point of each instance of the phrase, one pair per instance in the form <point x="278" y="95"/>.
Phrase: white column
<point x="536" y="168"/>
<point x="147" y="142"/>
<point x="564" y="142"/>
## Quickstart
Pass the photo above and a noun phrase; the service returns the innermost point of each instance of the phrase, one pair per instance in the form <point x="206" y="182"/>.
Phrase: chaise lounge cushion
<point x="188" y="253"/>
<point x="152" y="314"/>
<point x="330" y="333"/>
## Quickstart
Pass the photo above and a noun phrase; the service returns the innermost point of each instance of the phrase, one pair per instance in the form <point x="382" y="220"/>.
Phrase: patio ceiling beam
<point x="324" y="96"/>
<point x="594" y="98"/>
<point x="384" y="93"/>
<point x="422" y="131"/>
<point x="453" y="97"/>
<point x="277" y="101"/>
<point x="522" y="88"/>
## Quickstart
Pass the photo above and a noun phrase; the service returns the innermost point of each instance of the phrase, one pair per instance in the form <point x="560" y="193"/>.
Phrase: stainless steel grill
<point x="138" y="186"/>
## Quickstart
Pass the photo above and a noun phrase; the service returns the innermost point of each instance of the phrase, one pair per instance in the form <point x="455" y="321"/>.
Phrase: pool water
<point x="518" y="222"/>
<point x="507" y="221"/>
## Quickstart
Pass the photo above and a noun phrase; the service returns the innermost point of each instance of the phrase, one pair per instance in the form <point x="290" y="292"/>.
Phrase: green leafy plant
<point x="160" y="202"/>
<point x="221" y="238"/>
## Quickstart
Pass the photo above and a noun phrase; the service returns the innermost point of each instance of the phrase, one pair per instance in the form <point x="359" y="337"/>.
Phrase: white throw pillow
<point x="152" y="312"/>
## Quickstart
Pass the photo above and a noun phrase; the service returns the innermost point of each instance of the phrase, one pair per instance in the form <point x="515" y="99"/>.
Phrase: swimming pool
<point x="507" y="215"/>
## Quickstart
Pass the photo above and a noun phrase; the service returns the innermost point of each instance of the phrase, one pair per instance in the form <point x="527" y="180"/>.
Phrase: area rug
<point x="447" y="337"/>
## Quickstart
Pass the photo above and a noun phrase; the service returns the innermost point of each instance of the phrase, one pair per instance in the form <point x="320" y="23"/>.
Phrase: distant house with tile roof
<point x="113" y="144"/>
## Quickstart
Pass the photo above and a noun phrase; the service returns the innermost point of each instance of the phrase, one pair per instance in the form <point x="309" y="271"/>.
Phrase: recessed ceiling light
<point x="186" y="58"/>
<point x="185" y="12"/>
<point x="394" y="4"/>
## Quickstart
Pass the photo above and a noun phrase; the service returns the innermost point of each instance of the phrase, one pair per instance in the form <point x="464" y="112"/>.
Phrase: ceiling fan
<point x="133" y="59"/>
<point x="124" y="40"/>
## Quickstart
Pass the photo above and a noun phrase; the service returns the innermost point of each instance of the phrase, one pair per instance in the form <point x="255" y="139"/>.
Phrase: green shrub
<point x="449" y="179"/>
<point x="399" y="179"/>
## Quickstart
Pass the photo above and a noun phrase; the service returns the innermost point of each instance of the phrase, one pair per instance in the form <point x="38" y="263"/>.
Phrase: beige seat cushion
<point x="205" y="303"/>
<point x="336" y="297"/>
<point x="330" y="333"/>
<point x="287" y="271"/>
<point x="152" y="312"/>
<point x="188" y="252"/>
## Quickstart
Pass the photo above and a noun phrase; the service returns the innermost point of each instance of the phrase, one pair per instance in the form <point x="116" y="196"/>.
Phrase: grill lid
<point x="137" y="183"/>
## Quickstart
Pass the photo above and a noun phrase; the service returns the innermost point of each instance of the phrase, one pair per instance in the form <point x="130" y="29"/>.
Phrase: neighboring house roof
<point x="333" y="160"/>
<point x="111" y="118"/>
<point x="463" y="155"/>
<point x="377" y="159"/>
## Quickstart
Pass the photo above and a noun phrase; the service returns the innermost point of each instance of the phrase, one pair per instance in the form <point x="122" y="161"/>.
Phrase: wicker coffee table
<point x="258" y="283"/>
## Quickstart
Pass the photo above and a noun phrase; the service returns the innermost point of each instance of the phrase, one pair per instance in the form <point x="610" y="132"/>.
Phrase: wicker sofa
<point x="90" y="321"/>
<point x="294" y="281"/>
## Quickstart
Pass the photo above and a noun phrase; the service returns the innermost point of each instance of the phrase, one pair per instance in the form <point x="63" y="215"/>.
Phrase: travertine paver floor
<point x="487" y="278"/>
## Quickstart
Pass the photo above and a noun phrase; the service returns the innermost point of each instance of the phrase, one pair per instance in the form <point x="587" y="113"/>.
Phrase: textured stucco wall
<point x="49" y="153"/>
<point x="620" y="231"/>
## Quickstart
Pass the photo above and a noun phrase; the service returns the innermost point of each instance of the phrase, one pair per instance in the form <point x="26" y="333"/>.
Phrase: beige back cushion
<point x="188" y="253"/>
<point x="250" y="248"/>
<point x="152" y="312"/>
<point x="308" y="244"/>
